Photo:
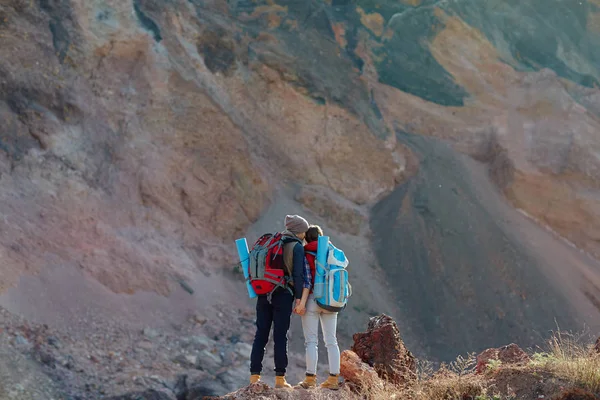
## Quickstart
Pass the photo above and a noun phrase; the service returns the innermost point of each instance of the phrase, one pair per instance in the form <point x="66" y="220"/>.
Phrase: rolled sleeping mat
<point x="321" y="261"/>
<point x="242" y="249"/>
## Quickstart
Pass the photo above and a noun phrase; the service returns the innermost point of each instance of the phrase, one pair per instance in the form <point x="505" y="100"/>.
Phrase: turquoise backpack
<point x="332" y="287"/>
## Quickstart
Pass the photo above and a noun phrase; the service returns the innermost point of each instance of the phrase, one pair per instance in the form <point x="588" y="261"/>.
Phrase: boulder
<point x="208" y="361"/>
<point x="510" y="354"/>
<point x="382" y="348"/>
<point x="233" y="378"/>
<point x="150" y="333"/>
<point x="243" y="350"/>
<point x="199" y="342"/>
<point x="194" y="381"/>
<point x="207" y="387"/>
<point x="356" y="372"/>
<point x="186" y="360"/>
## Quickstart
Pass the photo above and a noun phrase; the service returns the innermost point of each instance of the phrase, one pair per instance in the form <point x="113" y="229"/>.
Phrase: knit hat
<point x="296" y="224"/>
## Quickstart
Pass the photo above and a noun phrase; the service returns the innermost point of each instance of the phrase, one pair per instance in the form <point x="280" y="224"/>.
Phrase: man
<point x="276" y="309"/>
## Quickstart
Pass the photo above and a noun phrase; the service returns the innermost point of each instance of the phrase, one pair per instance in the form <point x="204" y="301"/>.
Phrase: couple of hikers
<point x="276" y="310"/>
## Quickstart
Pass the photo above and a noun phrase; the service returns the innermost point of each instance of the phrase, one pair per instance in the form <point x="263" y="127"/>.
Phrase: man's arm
<point x="298" y="270"/>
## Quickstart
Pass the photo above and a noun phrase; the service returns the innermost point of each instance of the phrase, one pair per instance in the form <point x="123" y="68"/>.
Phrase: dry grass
<point x="449" y="382"/>
<point x="451" y="387"/>
<point x="568" y="358"/>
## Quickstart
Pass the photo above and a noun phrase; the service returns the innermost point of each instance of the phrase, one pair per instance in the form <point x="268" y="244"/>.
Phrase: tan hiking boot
<point x="309" y="382"/>
<point x="331" y="383"/>
<point x="254" y="378"/>
<point x="280" y="383"/>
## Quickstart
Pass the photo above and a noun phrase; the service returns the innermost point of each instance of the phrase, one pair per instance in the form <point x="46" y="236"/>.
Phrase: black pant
<point x="277" y="313"/>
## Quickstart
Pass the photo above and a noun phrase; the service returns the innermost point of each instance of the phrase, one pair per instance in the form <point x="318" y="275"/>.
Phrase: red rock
<point x="510" y="354"/>
<point x="382" y="348"/>
<point x="356" y="372"/>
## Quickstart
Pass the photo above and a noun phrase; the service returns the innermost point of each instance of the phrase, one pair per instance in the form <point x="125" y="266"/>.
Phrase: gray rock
<point x="184" y="381"/>
<point x="46" y="358"/>
<point x="208" y="361"/>
<point x="21" y="341"/>
<point x="150" y="333"/>
<point x="186" y="360"/>
<point x="146" y="395"/>
<point x="243" y="350"/>
<point x="53" y="341"/>
<point x="199" y="319"/>
<point x="208" y="387"/>
<point x="200" y="342"/>
<point x="234" y="378"/>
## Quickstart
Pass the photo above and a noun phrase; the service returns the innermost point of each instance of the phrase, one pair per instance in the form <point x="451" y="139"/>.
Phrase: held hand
<point x="300" y="309"/>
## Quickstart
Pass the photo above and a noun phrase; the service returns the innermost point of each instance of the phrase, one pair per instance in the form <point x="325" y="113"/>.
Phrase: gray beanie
<point x="296" y="224"/>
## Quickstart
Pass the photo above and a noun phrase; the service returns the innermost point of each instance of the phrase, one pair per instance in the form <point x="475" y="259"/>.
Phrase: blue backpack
<point x="332" y="287"/>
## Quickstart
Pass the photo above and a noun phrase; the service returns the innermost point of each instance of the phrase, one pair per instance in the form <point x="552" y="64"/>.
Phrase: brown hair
<point x="313" y="233"/>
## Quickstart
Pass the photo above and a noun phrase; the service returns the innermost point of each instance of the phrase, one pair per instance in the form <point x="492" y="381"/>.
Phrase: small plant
<point x="493" y="365"/>
<point x="542" y="359"/>
<point x="463" y="365"/>
<point x="237" y="269"/>
<point x="424" y="369"/>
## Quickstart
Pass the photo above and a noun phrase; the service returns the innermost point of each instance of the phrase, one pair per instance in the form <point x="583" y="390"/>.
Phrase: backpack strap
<point x="290" y="247"/>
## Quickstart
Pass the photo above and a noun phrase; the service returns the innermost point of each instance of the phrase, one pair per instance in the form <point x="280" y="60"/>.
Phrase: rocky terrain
<point x="451" y="148"/>
<point x="507" y="372"/>
<point x="40" y="363"/>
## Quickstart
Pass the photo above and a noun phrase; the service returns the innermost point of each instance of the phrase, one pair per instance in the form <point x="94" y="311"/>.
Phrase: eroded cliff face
<point x="139" y="138"/>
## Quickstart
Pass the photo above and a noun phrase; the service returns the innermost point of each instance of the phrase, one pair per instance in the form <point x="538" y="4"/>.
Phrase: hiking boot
<point x="331" y="383"/>
<point x="280" y="383"/>
<point x="254" y="378"/>
<point x="309" y="382"/>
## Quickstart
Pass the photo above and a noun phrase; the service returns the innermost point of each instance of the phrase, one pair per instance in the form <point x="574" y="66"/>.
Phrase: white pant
<point x="310" y="325"/>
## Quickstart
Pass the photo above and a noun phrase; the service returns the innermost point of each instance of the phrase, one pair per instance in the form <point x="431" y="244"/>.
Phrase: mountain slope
<point x="141" y="137"/>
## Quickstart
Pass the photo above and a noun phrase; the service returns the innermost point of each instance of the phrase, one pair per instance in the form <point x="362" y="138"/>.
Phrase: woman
<point x="311" y="315"/>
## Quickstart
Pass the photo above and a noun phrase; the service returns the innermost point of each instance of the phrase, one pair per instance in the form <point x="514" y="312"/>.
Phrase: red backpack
<point x="267" y="270"/>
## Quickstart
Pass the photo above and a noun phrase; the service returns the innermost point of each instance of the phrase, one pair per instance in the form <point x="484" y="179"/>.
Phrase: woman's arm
<point x="307" y="284"/>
